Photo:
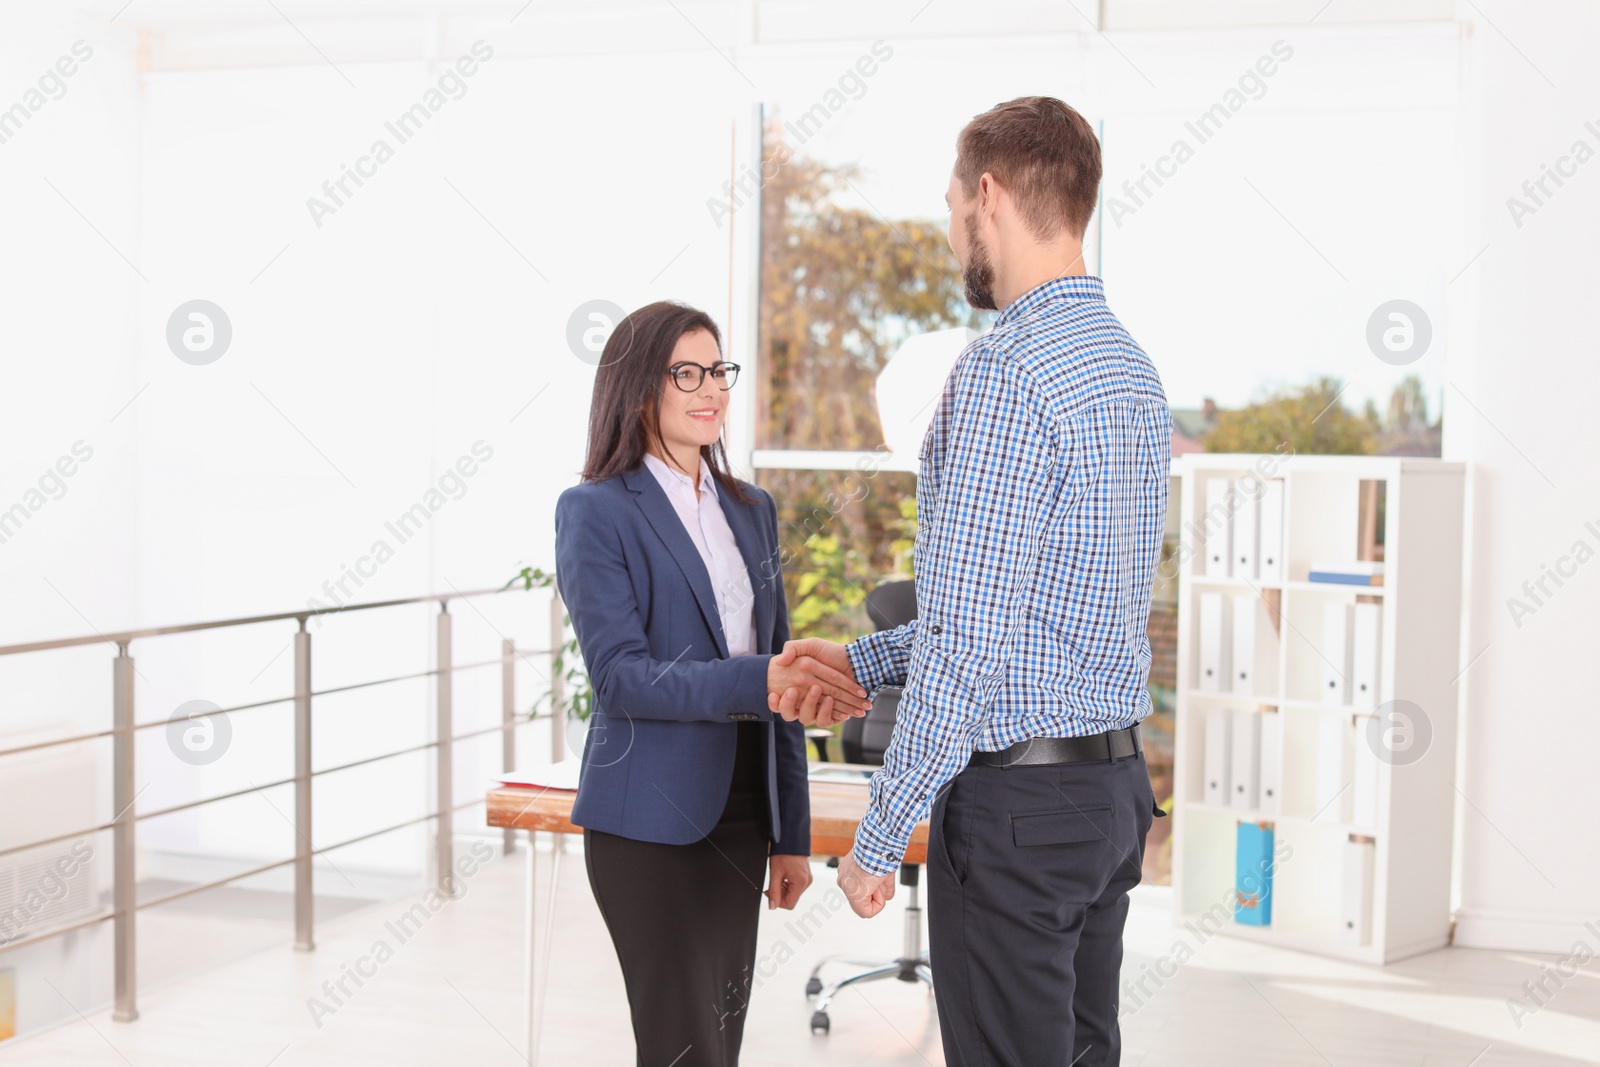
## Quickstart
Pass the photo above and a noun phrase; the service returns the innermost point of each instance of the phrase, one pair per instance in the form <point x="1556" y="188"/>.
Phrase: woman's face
<point x="693" y="418"/>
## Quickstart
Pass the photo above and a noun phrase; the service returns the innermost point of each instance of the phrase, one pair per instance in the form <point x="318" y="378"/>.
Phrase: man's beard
<point x="978" y="274"/>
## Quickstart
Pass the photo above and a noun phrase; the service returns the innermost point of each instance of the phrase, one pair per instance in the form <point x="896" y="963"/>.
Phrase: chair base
<point x="906" y="969"/>
<point x="913" y="966"/>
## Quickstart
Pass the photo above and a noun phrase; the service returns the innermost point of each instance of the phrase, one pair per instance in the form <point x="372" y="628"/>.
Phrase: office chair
<point x="863" y="740"/>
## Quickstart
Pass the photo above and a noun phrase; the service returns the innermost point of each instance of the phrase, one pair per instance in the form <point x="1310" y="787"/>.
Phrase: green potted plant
<point x="566" y="662"/>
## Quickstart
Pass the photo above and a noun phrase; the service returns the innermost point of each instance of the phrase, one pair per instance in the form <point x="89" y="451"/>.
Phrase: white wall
<point x="69" y="182"/>
<point x="1521" y="402"/>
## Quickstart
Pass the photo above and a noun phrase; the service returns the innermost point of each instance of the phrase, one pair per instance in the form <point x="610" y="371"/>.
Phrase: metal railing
<point x="124" y="904"/>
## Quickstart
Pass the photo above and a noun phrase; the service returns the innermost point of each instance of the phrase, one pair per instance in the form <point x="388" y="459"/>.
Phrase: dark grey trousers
<point x="1028" y="876"/>
<point x="683" y="919"/>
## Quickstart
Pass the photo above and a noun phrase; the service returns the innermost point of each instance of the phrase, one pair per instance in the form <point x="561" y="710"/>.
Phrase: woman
<point x="689" y="785"/>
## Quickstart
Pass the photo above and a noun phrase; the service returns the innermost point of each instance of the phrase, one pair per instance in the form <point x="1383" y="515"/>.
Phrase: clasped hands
<point x="811" y="682"/>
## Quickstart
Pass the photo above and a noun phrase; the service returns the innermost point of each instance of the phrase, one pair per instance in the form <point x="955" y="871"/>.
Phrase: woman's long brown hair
<point x="625" y="412"/>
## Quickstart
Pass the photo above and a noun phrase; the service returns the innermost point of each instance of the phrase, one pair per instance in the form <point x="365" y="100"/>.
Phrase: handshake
<point x="811" y="681"/>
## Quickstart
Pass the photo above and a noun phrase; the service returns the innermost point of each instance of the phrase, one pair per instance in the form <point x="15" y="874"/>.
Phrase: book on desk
<point x="562" y="775"/>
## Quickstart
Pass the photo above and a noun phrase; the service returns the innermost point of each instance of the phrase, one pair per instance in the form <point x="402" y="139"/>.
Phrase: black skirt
<point x="683" y="920"/>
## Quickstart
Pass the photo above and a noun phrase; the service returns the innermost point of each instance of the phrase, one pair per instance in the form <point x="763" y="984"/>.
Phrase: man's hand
<point x="787" y="878"/>
<point x="832" y="653"/>
<point x="867" y="893"/>
<point x="790" y="670"/>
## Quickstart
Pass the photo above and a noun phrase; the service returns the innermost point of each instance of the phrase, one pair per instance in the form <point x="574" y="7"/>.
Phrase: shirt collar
<point x="1067" y="287"/>
<point x="662" y="472"/>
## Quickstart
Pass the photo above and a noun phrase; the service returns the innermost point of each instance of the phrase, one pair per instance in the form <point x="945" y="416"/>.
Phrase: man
<point x="1042" y="497"/>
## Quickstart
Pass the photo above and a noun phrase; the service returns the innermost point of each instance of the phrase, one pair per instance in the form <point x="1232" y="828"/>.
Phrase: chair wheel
<point x="813" y="986"/>
<point x="819" y="1022"/>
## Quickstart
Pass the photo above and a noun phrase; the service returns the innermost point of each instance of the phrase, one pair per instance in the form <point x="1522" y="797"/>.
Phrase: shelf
<point x="1250" y="815"/>
<point x="1274" y="700"/>
<point x="1334" y="587"/>
<point x="1329" y="946"/>
<point x="1240" y="583"/>
<point x="1340" y="709"/>
<point x="1243" y="584"/>
<point x="1270" y="700"/>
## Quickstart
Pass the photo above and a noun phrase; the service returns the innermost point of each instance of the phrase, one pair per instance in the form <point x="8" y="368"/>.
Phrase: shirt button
<point x="936" y="629"/>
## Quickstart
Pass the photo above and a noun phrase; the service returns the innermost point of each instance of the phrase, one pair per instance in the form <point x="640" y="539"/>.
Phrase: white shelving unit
<point x="1420" y="609"/>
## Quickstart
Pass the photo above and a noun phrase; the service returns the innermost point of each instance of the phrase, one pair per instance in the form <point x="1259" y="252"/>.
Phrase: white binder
<point x="1363" y="776"/>
<point x="1245" y="523"/>
<point x="1336" y="653"/>
<point x="1242" y="648"/>
<point x="1330" y="800"/>
<point x="1366" y="634"/>
<point x="1355" y="909"/>
<point x="1269" y="542"/>
<point x="1270" y="782"/>
<point x="1217" y="753"/>
<point x="1218" y="524"/>
<point x="1215" y="637"/>
<point x="1244" y="768"/>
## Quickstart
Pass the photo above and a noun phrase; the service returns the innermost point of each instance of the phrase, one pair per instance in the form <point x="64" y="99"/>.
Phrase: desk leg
<point x="528" y="971"/>
<point x="549" y="938"/>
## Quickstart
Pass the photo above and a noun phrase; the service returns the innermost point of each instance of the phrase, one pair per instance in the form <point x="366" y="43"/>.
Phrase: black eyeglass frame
<point x="729" y="368"/>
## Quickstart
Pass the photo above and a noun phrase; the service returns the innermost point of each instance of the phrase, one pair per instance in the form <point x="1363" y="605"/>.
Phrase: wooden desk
<point x="836" y="811"/>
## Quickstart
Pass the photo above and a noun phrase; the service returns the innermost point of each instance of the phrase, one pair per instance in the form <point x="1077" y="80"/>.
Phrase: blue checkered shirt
<point x="1041" y="501"/>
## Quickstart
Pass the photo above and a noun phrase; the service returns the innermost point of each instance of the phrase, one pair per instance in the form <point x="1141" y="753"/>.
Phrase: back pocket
<point x="1063" y="826"/>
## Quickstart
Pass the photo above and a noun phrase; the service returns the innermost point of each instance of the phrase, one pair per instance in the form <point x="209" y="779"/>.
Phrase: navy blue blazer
<point x="658" y="758"/>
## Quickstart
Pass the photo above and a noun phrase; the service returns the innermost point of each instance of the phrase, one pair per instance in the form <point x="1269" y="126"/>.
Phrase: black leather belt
<point x="1041" y="751"/>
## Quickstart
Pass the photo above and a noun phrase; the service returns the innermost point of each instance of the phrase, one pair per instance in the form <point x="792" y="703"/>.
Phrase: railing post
<point x="558" y="700"/>
<point x="304" y="901"/>
<point x="445" y="857"/>
<point x="558" y="694"/>
<point x="123" y="886"/>
<point x="508" y="722"/>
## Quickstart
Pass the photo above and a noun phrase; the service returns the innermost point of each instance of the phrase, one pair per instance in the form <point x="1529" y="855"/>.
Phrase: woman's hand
<point x="788" y="877"/>
<point x="812" y="709"/>
<point x="801" y="673"/>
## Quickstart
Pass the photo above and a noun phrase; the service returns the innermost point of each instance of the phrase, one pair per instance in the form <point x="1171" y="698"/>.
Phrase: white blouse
<point x="708" y="528"/>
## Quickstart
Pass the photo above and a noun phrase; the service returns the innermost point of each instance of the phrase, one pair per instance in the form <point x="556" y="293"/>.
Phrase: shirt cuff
<point x="875" y="851"/>
<point x="872" y="660"/>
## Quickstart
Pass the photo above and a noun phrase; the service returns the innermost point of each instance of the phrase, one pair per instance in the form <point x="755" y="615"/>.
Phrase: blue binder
<point x="1253" y="874"/>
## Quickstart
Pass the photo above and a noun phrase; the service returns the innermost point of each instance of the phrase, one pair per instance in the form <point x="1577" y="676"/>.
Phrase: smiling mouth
<point x="705" y="415"/>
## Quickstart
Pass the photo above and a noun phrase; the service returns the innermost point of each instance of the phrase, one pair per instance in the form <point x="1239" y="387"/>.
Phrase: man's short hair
<point x="1044" y="153"/>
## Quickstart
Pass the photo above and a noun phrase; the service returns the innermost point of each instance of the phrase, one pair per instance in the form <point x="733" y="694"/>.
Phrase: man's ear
<point x="988" y="197"/>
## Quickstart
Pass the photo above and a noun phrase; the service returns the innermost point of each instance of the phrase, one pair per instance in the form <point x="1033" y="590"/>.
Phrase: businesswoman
<point x="690" y="790"/>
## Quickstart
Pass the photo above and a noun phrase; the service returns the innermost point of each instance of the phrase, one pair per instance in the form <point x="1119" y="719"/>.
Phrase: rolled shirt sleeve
<point x="882" y="658"/>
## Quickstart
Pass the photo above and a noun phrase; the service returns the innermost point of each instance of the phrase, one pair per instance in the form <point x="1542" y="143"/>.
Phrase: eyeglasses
<point x="690" y="376"/>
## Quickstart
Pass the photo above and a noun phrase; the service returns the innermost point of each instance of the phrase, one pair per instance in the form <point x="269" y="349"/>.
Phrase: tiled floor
<point x="450" y="993"/>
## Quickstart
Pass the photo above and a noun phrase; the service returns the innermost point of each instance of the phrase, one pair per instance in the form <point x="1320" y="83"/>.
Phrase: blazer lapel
<point x="663" y="517"/>
<point x="742" y="520"/>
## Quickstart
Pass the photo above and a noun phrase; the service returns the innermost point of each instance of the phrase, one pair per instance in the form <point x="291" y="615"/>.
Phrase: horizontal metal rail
<point x="122" y="637"/>
<point x="189" y="891"/>
<point x="77" y="738"/>
<point x="497" y="728"/>
<point x="57" y="931"/>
